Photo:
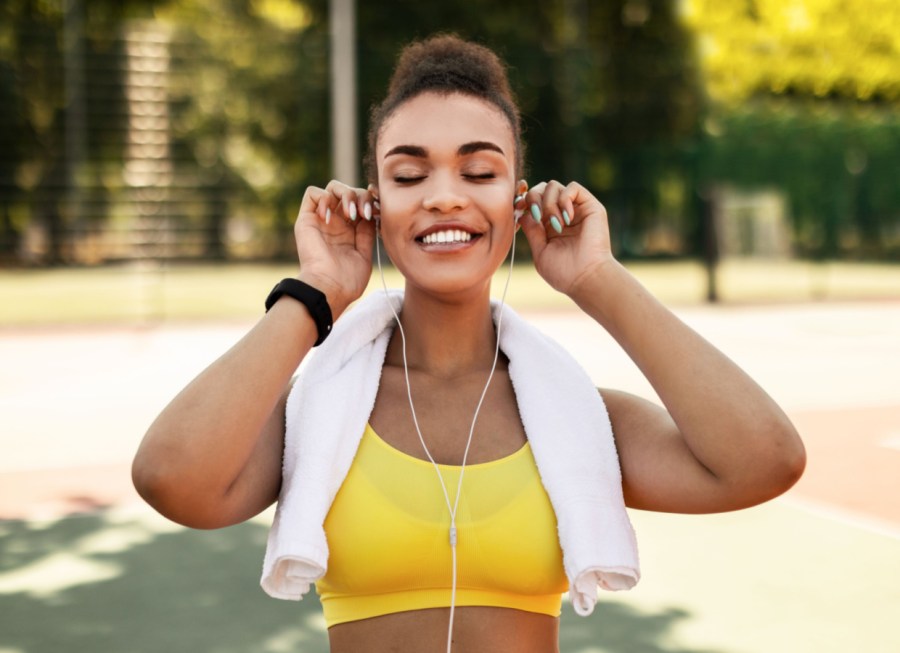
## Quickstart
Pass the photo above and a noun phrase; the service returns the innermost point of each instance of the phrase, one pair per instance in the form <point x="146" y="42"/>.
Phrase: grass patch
<point x="150" y="293"/>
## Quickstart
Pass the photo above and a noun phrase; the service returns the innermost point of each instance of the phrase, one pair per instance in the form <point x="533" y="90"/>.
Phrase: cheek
<point x="397" y="205"/>
<point x="502" y="209"/>
<point x="390" y="227"/>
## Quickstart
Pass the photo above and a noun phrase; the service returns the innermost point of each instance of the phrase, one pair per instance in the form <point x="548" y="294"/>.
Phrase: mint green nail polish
<point x="352" y="212"/>
<point x="566" y="217"/>
<point x="536" y="212"/>
<point x="555" y="224"/>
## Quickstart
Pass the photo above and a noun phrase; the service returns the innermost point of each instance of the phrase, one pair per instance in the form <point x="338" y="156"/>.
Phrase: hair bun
<point x="446" y="64"/>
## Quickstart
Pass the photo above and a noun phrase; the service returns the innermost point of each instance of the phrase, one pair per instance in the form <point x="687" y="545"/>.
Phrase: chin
<point x="449" y="287"/>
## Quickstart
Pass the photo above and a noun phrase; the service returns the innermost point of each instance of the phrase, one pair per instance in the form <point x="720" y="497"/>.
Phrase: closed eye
<point x="408" y="180"/>
<point x="483" y="175"/>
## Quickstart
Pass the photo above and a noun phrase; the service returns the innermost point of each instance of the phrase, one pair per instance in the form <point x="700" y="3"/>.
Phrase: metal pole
<point x="344" y="155"/>
<point x="75" y="133"/>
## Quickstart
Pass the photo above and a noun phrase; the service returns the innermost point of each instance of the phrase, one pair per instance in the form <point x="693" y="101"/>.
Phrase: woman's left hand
<point x="567" y="230"/>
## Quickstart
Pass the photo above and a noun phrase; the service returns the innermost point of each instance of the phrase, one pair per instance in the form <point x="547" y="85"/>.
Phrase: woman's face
<point x="446" y="182"/>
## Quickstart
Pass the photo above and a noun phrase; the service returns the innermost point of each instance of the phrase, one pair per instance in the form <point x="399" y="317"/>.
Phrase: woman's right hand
<point x="335" y="233"/>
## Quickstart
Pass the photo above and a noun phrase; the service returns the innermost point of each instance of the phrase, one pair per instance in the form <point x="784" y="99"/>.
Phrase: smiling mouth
<point x="448" y="237"/>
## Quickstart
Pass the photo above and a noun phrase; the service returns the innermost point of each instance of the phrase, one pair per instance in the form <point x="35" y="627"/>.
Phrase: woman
<point x="445" y="163"/>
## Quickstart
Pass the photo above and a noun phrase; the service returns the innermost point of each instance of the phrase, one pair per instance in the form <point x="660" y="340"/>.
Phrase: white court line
<point x="851" y="518"/>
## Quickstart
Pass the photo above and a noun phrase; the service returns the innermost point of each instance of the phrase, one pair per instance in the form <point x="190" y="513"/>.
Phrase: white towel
<point x="564" y="418"/>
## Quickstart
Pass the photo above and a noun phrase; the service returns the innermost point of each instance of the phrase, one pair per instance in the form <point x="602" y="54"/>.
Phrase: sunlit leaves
<point x="816" y="48"/>
<point x="287" y="15"/>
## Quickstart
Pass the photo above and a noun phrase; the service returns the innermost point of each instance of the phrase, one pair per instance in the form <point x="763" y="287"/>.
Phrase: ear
<point x="373" y="188"/>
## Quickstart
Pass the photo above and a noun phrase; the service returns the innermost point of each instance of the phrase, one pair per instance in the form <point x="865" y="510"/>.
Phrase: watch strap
<point x="314" y="300"/>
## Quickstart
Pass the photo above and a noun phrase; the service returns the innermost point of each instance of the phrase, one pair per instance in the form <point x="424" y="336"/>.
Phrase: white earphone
<point x="452" y="508"/>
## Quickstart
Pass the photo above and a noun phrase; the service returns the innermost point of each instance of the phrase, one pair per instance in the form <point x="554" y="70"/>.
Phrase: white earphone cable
<point x="454" y="507"/>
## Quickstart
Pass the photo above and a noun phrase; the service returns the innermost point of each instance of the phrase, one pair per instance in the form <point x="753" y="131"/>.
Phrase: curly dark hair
<point x="446" y="64"/>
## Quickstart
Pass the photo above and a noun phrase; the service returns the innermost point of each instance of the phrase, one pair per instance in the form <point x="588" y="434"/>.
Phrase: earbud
<point x="521" y="191"/>
<point x="517" y="213"/>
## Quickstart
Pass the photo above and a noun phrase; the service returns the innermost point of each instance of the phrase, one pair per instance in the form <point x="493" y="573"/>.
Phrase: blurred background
<point x="187" y="131"/>
<point x="152" y="157"/>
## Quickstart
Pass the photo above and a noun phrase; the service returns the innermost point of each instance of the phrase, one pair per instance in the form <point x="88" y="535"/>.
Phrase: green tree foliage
<point x="606" y="88"/>
<point x="33" y="128"/>
<point x="837" y="165"/>
<point x="810" y="48"/>
<point x="247" y="116"/>
<point x="602" y="85"/>
<point x="62" y="116"/>
<point x="805" y="96"/>
<point x="250" y="114"/>
<point x="645" y="101"/>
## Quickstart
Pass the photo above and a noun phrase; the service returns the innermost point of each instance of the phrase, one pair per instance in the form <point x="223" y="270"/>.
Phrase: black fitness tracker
<point x="312" y="298"/>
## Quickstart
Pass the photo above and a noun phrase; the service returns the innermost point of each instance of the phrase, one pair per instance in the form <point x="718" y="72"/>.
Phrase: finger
<point x="368" y="201"/>
<point x="316" y="201"/>
<point x="347" y="199"/>
<point x="584" y="203"/>
<point x="532" y="222"/>
<point x="360" y="204"/>
<point x="550" y="206"/>
<point x="533" y="202"/>
<point x="323" y="208"/>
<point x="567" y="204"/>
<point x="536" y="235"/>
<point x="328" y="207"/>
<point x="365" y="238"/>
<point x="350" y="204"/>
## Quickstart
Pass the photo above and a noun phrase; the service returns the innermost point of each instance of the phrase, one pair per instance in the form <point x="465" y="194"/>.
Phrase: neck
<point x="445" y="337"/>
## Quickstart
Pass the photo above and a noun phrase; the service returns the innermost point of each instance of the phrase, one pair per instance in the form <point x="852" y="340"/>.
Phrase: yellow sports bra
<point x="388" y="541"/>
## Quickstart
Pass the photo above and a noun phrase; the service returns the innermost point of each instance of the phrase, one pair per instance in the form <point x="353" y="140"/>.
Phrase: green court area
<point x="774" y="579"/>
<point x="140" y="293"/>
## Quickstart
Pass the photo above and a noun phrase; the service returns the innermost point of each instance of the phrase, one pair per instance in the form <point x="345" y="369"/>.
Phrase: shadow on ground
<point x="619" y="628"/>
<point x="132" y="589"/>
<point x="100" y="584"/>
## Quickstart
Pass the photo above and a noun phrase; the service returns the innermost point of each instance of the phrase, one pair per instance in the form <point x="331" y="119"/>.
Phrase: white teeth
<point x="448" y="236"/>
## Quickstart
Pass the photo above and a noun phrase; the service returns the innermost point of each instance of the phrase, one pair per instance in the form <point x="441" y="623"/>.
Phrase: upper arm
<point x="659" y="471"/>
<point x="189" y="494"/>
<point x="259" y="483"/>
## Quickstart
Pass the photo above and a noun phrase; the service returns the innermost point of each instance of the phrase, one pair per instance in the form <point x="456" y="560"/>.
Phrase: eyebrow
<point x="464" y="150"/>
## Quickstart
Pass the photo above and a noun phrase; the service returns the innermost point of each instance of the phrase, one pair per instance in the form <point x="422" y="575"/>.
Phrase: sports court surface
<point x="85" y="567"/>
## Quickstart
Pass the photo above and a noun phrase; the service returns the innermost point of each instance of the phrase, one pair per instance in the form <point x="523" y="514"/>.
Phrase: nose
<point x="444" y="194"/>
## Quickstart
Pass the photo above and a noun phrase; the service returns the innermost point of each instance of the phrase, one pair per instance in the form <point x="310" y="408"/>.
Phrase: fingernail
<point x="555" y="224"/>
<point x="367" y="211"/>
<point x="536" y="212"/>
<point x="327" y="215"/>
<point x="352" y="211"/>
<point x="566" y="217"/>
